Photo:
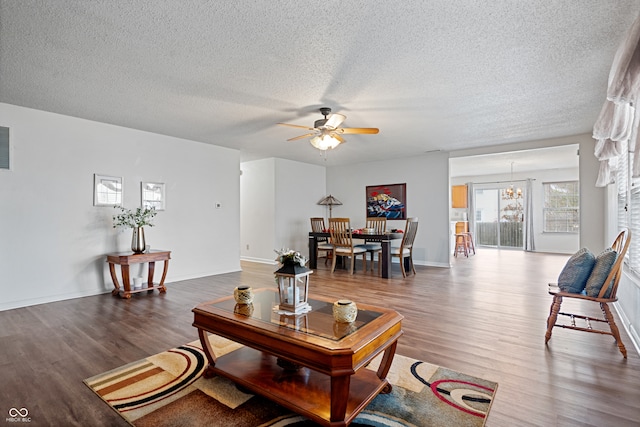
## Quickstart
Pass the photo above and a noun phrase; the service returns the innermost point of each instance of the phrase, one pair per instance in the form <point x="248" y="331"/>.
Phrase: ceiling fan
<point x="326" y="132"/>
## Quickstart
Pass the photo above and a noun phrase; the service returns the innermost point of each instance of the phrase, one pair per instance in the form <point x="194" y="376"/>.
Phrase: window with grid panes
<point x="561" y="212"/>
<point x="629" y="206"/>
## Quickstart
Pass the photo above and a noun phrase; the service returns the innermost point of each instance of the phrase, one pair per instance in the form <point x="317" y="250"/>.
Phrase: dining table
<point x="385" y="240"/>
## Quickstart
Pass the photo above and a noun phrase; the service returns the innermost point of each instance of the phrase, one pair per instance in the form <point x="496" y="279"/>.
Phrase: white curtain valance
<point x="624" y="77"/>
<point x="618" y="120"/>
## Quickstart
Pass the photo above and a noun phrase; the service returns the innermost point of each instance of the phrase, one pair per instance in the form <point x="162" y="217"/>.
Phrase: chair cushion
<point x="325" y="246"/>
<point x="356" y="250"/>
<point x="371" y="246"/>
<point x="574" y="275"/>
<point x="396" y="251"/>
<point x="604" y="262"/>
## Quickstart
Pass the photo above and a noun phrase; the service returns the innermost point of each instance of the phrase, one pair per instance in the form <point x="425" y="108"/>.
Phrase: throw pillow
<point x="574" y="275"/>
<point x="604" y="262"/>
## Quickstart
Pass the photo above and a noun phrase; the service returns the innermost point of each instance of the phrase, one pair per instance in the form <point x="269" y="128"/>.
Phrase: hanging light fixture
<point x="510" y="193"/>
<point x="324" y="142"/>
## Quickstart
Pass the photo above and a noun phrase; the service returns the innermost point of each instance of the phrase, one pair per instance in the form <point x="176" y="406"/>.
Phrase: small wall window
<point x="561" y="213"/>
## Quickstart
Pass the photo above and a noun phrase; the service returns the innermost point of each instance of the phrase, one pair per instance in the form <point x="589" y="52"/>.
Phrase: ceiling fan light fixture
<point x="324" y="142"/>
<point x="326" y="132"/>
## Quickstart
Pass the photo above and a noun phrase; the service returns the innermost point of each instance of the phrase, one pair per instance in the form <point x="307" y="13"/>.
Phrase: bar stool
<point x="470" y="244"/>
<point x="461" y="245"/>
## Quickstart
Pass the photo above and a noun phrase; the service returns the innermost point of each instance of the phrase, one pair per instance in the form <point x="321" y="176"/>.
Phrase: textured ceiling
<point x="432" y="75"/>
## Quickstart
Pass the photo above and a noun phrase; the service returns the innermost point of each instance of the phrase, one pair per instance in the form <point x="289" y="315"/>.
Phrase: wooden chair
<point x="379" y="226"/>
<point x="317" y="226"/>
<point x="620" y="245"/>
<point x="405" y="250"/>
<point x="342" y="240"/>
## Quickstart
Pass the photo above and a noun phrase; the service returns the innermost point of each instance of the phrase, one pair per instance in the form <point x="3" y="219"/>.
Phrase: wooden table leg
<point x="339" y="397"/>
<point x="313" y="250"/>
<point x="126" y="281"/>
<point x="386" y="259"/>
<point x="385" y="365"/>
<point x="152" y="269"/>
<point x="162" y="288"/>
<point x="114" y="278"/>
<point x="208" y="351"/>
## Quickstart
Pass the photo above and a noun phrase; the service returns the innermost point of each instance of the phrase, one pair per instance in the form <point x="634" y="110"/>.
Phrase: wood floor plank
<point x="484" y="317"/>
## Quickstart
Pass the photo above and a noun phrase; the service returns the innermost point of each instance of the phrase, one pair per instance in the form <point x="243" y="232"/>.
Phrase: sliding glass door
<point x="498" y="218"/>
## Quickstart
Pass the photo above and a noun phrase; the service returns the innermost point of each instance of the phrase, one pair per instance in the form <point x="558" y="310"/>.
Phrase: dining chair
<point x="599" y="283"/>
<point x="405" y="250"/>
<point x="317" y="226"/>
<point x="342" y="241"/>
<point x="379" y="226"/>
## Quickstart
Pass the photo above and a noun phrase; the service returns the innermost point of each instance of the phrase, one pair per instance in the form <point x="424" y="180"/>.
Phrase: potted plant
<point x="136" y="220"/>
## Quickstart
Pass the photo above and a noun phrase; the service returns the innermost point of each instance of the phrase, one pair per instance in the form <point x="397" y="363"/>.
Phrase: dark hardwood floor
<point x="485" y="317"/>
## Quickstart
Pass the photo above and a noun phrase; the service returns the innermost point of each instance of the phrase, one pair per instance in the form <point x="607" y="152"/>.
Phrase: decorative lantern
<point x="293" y="287"/>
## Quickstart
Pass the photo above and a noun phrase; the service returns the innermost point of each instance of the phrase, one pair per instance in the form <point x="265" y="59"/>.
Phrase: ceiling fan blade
<point x="358" y="130"/>
<point x="296" y="126"/>
<point x="335" y="120"/>
<point x="301" y="136"/>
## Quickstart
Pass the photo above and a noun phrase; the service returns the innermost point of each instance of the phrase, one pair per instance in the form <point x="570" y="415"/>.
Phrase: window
<point x="629" y="204"/>
<point x="561" y="213"/>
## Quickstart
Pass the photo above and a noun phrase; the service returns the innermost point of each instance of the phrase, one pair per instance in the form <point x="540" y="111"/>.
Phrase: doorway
<point x="499" y="218"/>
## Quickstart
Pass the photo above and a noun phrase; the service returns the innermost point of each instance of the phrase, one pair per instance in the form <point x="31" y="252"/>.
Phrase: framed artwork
<point x="389" y="201"/>
<point x="107" y="190"/>
<point x="152" y="194"/>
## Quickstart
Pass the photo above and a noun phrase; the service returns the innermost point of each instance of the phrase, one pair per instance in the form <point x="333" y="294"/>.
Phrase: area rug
<point x="168" y="389"/>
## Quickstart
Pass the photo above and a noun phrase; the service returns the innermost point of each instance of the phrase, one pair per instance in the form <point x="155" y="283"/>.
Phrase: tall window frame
<point x="561" y="211"/>
<point x="628" y="197"/>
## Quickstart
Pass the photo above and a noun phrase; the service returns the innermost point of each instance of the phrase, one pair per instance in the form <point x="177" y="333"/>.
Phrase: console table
<point x="125" y="259"/>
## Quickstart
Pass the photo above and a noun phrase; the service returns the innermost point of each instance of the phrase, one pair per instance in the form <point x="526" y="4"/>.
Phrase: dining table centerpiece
<point x="136" y="220"/>
<point x="292" y="277"/>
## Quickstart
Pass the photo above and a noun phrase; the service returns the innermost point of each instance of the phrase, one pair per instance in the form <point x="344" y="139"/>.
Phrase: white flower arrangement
<point x="286" y="256"/>
<point x="128" y="218"/>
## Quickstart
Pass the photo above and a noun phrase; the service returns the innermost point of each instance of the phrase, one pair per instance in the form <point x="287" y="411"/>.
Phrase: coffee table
<point x="308" y="363"/>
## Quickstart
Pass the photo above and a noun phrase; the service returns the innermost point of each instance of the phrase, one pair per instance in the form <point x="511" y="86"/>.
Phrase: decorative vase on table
<point x="138" y="243"/>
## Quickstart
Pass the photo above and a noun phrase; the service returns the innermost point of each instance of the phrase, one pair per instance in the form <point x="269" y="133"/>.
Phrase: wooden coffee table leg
<point x="339" y="397"/>
<point x="385" y="365"/>
<point x="208" y="351"/>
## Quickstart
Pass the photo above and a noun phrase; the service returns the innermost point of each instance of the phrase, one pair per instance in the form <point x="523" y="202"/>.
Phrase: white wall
<point x="278" y="198"/>
<point x="565" y="243"/>
<point x="53" y="240"/>
<point x="299" y="187"/>
<point x="427" y="179"/>
<point x="257" y="213"/>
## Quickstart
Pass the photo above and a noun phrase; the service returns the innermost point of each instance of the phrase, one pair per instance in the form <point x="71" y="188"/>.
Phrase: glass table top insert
<point x="319" y="321"/>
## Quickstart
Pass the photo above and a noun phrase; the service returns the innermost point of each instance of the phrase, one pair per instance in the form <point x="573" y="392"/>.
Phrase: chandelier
<point x="510" y="193"/>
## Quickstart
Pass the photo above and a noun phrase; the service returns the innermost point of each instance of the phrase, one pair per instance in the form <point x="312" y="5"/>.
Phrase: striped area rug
<point x="168" y="389"/>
